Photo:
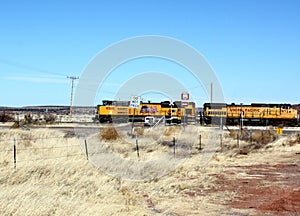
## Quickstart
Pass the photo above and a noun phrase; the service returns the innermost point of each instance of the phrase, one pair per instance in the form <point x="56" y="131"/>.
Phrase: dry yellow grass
<point x="70" y="185"/>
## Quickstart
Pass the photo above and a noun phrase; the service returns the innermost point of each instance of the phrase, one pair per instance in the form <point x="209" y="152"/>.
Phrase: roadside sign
<point x="135" y="101"/>
<point x="185" y="96"/>
<point x="279" y="130"/>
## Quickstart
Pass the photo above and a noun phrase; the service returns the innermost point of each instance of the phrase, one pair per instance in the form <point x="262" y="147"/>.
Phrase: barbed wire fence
<point x="16" y="152"/>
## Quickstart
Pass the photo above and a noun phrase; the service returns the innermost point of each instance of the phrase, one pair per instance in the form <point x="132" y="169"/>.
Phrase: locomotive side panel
<point x="115" y="111"/>
<point x="254" y="114"/>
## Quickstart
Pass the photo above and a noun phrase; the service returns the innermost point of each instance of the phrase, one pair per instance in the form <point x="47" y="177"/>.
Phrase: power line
<point x="28" y="67"/>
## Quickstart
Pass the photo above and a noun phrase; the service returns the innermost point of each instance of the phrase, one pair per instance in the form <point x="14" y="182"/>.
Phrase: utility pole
<point x="73" y="78"/>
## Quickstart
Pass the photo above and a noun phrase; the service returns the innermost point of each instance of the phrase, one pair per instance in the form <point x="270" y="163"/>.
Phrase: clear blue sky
<point x="252" y="45"/>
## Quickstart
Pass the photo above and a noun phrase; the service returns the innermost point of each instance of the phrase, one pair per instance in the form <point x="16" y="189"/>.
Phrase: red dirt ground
<point x="269" y="189"/>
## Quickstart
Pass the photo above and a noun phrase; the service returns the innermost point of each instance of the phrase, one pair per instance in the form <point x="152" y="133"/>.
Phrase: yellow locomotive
<point x="253" y="114"/>
<point x="120" y="111"/>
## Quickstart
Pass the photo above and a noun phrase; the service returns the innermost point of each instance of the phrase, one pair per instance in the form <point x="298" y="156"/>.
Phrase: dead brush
<point x="139" y="131"/>
<point x="69" y="134"/>
<point x="294" y="140"/>
<point x="50" y="118"/>
<point x="261" y="138"/>
<point x="254" y="140"/>
<point x="168" y="131"/>
<point x="233" y="134"/>
<point x="109" y="133"/>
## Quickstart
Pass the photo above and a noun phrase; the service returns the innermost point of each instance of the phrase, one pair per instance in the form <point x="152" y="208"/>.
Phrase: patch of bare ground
<point x="269" y="185"/>
<point x="269" y="188"/>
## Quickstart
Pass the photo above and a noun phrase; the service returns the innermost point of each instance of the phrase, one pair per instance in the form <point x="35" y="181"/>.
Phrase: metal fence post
<point x="221" y="142"/>
<point x="238" y="140"/>
<point x="200" y="142"/>
<point x="15" y="154"/>
<point x="137" y="146"/>
<point x="86" y="150"/>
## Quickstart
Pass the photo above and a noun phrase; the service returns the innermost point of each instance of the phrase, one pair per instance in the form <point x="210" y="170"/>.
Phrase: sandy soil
<point x="53" y="177"/>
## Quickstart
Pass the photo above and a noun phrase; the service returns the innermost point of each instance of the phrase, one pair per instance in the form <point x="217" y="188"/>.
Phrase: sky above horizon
<point x="253" y="47"/>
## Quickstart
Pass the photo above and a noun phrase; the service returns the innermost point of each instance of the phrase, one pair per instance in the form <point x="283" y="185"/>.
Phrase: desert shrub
<point x="294" y="140"/>
<point x="28" y="118"/>
<point x="233" y="134"/>
<point x="242" y="135"/>
<point x="255" y="140"/>
<point x="139" y="131"/>
<point x="109" y="133"/>
<point x="263" y="137"/>
<point x="69" y="134"/>
<point x="50" y="118"/>
<point x="257" y="137"/>
<point x="169" y="130"/>
<point x="166" y="143"/>
<point x="6" y="116"/>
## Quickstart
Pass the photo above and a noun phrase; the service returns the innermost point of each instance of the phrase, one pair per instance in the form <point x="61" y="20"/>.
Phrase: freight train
<point x="253" y="114"/>
<point x="120" y="111"/>
<point x="256" y="114"/>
